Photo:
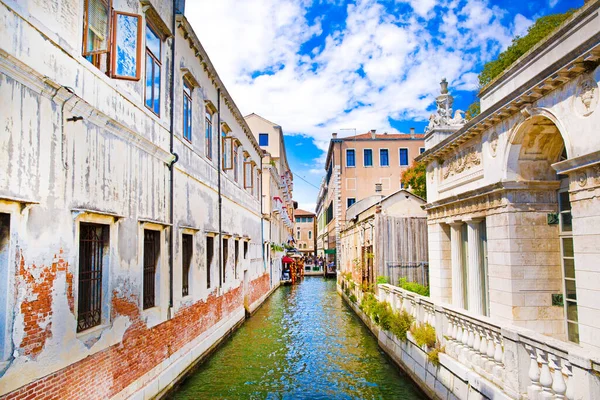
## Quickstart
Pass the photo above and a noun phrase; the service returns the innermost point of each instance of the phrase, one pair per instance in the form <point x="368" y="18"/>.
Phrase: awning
<point x="287" y="260"/>
<point x="329" y="251"/>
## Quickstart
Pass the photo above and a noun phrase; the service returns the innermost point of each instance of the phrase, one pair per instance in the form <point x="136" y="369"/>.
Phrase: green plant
<point x="382" y="280"/>
<point x="424" y="335"/>
<point x="352" y="298"/>
<point x="347" y="276"/>
<point x="368" y="304"/>
<point x="367" y="287"/>
<point x="400" y="324"/>
<point x="414" y="287"/>
<point x="382" y="315"/>
<point x="521" y="45"/>
<point x="434" y="355"/>
<point x="473" y="110"/>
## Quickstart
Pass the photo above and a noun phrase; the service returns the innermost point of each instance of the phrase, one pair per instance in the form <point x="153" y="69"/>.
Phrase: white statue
<point x="443" y="115"/>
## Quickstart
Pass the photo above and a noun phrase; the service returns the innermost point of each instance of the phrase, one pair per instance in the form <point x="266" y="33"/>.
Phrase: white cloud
<point x="374" y="67"/>
<point x="553" y="3"/>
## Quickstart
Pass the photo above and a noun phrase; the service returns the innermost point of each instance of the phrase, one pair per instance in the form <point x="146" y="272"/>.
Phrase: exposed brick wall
<point x="106" y="373"/>
<point x="259" y="287"/>
<point x="36" y="307"/>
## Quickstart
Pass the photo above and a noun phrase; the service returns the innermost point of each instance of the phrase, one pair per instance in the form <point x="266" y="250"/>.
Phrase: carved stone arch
<point x="535" y="142"/>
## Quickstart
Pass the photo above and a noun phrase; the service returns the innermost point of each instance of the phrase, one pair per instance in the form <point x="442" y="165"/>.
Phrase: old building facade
<point x="305" y="229"/>
<point x="358" y="167"/>
<point x="277" y="191"/>
<point x="385" y="236"/>
<point x="130" y="200"/>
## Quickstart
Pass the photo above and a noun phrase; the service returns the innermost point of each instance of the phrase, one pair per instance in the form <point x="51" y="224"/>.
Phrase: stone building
<point x="277" y="191"/>
<point x="130" y="213"/>
<point x="358" y="167"/>
<point x="512" y="196"/>
<point x="385" y="236"/>
<point x="305" y="229"/>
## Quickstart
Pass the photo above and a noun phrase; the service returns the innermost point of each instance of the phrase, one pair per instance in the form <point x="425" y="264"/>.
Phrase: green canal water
<point x="303" y="343"/>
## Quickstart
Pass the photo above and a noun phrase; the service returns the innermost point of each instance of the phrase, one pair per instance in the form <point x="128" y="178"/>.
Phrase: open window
<point x="126" y="52"/>
<point x="96" y="32"/>
<point x="228" y="145"/>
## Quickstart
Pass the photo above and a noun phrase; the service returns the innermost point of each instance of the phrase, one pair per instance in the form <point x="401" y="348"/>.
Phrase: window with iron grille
<point x="93" y="242"/>
<point x="5" y="311"/>
<point x="225" y="257"/>
<point x="236" y="249"/>
<point x="210" y="251"/>
<point x="187" y="246"/>
<point x="151" y="254"/>
<point x="245" y="250"/>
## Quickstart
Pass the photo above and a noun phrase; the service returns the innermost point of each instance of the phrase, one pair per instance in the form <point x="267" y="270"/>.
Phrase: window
<point x="245" y="250"/>
<point x="126" y="46"/>
<point x="298" y="234"/>
<point x="96" y="32"/>
<point x="93" y="255"/>
<point x="153" y="66"/>
<point x="298" y="219"/>
<point x="236" y="249"/>
<point x="5" y="311"/>
<point x="384" y="159"/>
<point x="225" y="257"/>
<point x="329" y="216"/>
<point x="187" y="111"/>
<point x="309" y="235"/>
<point x="421" y="150"/>
<point x="367" y="158"/>
<point x="208" y="134"/>
<point x="329" y="172"/>
<point x="226" y="151"/>
<point x="248" y="173"/>
<point x="263" y="139"/>
<point x="350" y="201"/>
<point x="210" y="251"/>
<point x="350" y="158"/>
<point x="236" y="150"/>
<point x="403" y="157"/>
<point x="568" y="264"/>
<point x="151" y="253"/>
<point x="187" y="243"/>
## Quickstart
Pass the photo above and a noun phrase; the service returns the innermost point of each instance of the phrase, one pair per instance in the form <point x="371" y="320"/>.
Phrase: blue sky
<point x="322" y="66"/>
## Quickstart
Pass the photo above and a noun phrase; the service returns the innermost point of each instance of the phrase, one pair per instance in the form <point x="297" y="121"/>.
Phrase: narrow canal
<point x="304" y="343"/>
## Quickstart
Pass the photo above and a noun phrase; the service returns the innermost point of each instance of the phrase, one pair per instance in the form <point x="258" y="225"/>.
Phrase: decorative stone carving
<point x="443" y="118"/>
<point x="582" y="178"/>
<point x="494" y="143"/>
<point x="461" y="161"/>
<point x="586" y="96"/>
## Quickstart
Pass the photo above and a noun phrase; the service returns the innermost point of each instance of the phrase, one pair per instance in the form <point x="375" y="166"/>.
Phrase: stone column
<point x="475" y="284"/>
<point x="458" y="284"/>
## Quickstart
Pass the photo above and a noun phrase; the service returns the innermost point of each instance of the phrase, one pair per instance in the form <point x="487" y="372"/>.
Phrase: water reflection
<point x="304" y="343"/>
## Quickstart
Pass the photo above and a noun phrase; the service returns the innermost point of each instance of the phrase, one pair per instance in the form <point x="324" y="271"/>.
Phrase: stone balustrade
<point x="515" y="362"/>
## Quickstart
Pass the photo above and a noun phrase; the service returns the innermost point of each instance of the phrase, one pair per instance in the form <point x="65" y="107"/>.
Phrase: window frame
<point x="157" y="265"/>
<point x="388" y="158"/>
<point x="208" y="133"/>
<point x="236" y="161"/>
<point x="188" y="97"/>
<point x="114" y="56"/>
<point x="260" y="137"/>
<point x="158" y="62"/>
<point x="93" y="54"/>
<point x="400" y="156"/>
<point x="421" y="150"/>
<point x="347" y="201"/>
<point x="209" y="258"/>
<point x="354" y="160"/>
<point x="186" y="279"/>
<point x="251" y="180"/>
<point x="364" y="158"/>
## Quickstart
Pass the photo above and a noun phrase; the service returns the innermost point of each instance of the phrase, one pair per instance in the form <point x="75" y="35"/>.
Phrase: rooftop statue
<point x="442" y="118"/>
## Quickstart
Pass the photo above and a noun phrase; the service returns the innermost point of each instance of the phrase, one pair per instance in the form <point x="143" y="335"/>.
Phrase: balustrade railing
<point x="520" y="362"/>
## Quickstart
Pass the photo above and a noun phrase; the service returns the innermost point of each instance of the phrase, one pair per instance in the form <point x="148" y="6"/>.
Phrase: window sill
<point x="90" y="333"/>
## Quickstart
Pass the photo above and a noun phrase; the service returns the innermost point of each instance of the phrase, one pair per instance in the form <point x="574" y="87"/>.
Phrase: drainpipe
<point x="262" y="228"/>
<point x="219" y="187"/>
<point x="174" y="159"/>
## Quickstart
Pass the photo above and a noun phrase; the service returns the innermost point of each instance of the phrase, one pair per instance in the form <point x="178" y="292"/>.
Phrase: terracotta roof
<point x="367" y="135"/>
<point x="299" y="212"/>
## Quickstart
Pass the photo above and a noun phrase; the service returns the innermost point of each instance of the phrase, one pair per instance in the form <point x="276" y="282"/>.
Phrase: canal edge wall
<point x="165" y="377"/>
<point x="448" y="381"/>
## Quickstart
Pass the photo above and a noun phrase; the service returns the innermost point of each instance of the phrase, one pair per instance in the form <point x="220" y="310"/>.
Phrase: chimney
<point x="385" y="133"/>
<point x="412" y="133"/>
<point x="373" y="133"/>
<point x="334" y="135"/>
